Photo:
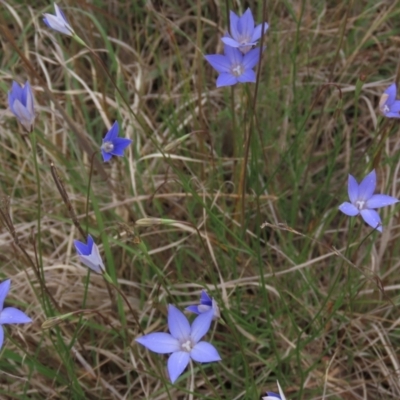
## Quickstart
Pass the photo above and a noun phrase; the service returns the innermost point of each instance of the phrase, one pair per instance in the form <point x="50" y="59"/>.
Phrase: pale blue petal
<point x="177" y="362"/>
<point x="11" y="315"/>
<point x="258" y="31"/>
<point x="201" y="325"/>
<point x="246" y="24"/>
<point x="234" y="55"/>
<point x="349" y="209"/>
<point x="395" y="107"/>
<point x="24" y="117"/>
<point x="120" y="144"/>
<point x="367" y="186"/>
<point x="391" y="91"/>
<point x="219" y="62"/>
<point x="112" y="133"/>
<point x="251" y="58"/>
<point x="230" y="42"/>
<point x="271" y="396"/>
<point x="234" y="19"/>
<point x="84" y="249"/>
<point x="226" y="79"/>
<point x="204" y="352"/>
<point x="247" y="76"/>
<point x="390" y="114"/>
<point x="178" y="324"/>
<point x="159" y="342"/>
<point x="57" y="24"/>
<point x="4" y="288"/>
<point x="193" y="309"/>
<point x="380" y="200"/>
<point x="1" y="336"/>
<point x="106" y="155"/>
<point x="205" y="298"/>
<point x="352" y="189"/>
<point x="372" y="218"/>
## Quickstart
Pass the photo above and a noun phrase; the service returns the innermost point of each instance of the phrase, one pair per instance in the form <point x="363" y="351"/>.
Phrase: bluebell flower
<point x="183" y="341"/>
<point x="58" y="22"/>
<point x="9" y="315"/>
<point x="21" y="103"/>
<point x="275" y="396"/>
<point x="243" y="33"/>
<point x="112" y="144"/>
<point x="363" y="200"/>
<point x="234" y="67"/>
<point x="89" y="255"/>
<point x="206" y="303"/>
<point x="388" y="105"/>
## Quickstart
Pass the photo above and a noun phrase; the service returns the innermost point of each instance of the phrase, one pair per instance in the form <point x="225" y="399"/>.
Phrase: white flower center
<point x="187" y="346"/>
<point x="237" y="70"/>
<point x="385" y="109"/>
<point x="360" y="204"/>
<point x="108" y="147"/>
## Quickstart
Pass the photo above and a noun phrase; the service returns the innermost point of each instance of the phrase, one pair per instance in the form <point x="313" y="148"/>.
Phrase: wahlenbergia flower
<point x="112" y="144"/>
<point x="89" y="255"/>
<point x="243" y="33"/>
<point x="183" y="341"/>
<point x="389" y="106"/>
<point x="21" y="104"/>
<point x="234" y="67"/>
<point x="206" y="303"/>
<point x="274" y="396"/>
<point x="9" y="315"/>
<point x="363" y="200"/>
<point x="58" y="22"/>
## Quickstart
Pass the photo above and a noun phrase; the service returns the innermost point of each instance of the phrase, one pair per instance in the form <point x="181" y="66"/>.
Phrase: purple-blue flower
<point x="112" y="144"/>
<point x="363" y="200"/>
<point x="275" y="396"/>
<point x="234" y="67"/>
<point x="389" y="106"/>
<point x="183" y="341"/>
<point x="58" y="22"/>
<point x="21" y="103"/>
<point x="9" y="315"/>
<point x="243" y="33"/>
<point x="89" y="255"/>
<point x="206" y="303"/>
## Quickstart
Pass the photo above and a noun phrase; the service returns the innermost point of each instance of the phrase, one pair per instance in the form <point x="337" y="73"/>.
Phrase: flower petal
<point x="391" y="91"/>
<point x="352" y="189"/>
<point x="258" y="30"/>
<point x="106" y="156"/>
<point x="11" y="315"/>
<point x="281" y="391"/>
<point x="205" y="298"/>
<point x="120" y="144"/>
<point x="250" y="60"/>
<point x="372" y="218"/>
<point x="226" y="79"/>
<point x="1" y="336"/>
<point x="58" y="25"/>
<point x="112" y="133"/>
<point x="24" y="117"/>
<point x="204" y="352"/>
<point x="159" y="342"/>
<point x="349" y="209"/>
<point x="201" y="325"/>
<point x="178" y="324"/>
<point x="395" y="107"/>
<point x="367" y="186"/>
<point x="177" y="362"/>
<point x="234" y="55"/>
<point x="247" y="76"/>
<point x="219" y="62"/>
<point x="4" y="288"/>
<point x="230" y="42"/>
<point x="246" y="24"/>
<point x="380" y="200"/>
<point x="234" y="19"/>
<point x="193" y="309"/>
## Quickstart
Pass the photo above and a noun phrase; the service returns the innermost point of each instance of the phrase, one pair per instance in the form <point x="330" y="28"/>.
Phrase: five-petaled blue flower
<point x="206" y="303"/>
<point x="89" y="255"/>
<point x="363" y="200"/>
<point x="275" y="396"/>
<point x="243" y="33"/>
<point x="234" y="67"/>
<point x="58" y="22"/>
<point x="183" y="341"/>
<point x="9" y="315"/>
<point x="112" y="144"/>
<point x="389" y="106"/>
<point x="21" y="103"/>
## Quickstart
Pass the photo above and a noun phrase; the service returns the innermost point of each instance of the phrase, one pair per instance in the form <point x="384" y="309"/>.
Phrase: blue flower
<point x="389" y="106"/>
<point x="183" y="341"/>
<point x="21" y="103"/>
<point x="275" y="396"/>
<point x="89" y="255"/>
<point x="364" y="201"/>
<point x="244" y="34"/>
<point x="58" y="22"/>
<point x="112" y="144"/>
<point x="9" y="315"/>
<point x="206" y="303"/>
<point x="234" y="67"/>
